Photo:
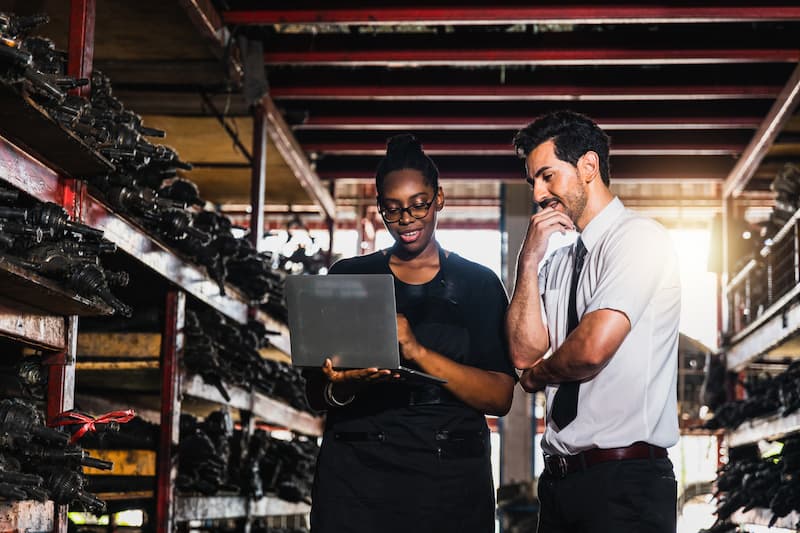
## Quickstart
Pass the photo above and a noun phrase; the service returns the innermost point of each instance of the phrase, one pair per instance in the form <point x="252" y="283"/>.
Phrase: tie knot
<point x="580" y="249"/>
<point x="580" y="253"/>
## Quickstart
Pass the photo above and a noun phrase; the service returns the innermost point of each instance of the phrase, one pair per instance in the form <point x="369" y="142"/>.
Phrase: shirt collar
<point x="601" y="223"/>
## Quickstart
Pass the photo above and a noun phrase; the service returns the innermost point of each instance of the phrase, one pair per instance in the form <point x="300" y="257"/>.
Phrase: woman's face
<point x="406" y="188"/>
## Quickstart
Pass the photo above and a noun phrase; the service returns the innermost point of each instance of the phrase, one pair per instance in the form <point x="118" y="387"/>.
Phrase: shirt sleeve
<point x="488" y="341"/>
<point x="632" y="269"/>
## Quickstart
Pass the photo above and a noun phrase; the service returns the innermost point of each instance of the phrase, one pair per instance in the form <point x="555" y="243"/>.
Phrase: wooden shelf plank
<point x="119" y="345"/>
<point x="769" y="428"/>
<point x="32" y="293"/>
<point x="229" y="507"/>
<point x="276" y="412"/>
<point x="280" y="341"/>
<point x="44" y="331"/>
<point x="773" y="328"/>
<point x="26" y="516"/>
<point x="268" y="409"/>
<point x="28" y="125"/>
<point x="276" y="507"/>
<point x="761" y="517"/>
<point x="143" y="247"/>
<point x="126" y="462"/>
<point x="27" y="174"/>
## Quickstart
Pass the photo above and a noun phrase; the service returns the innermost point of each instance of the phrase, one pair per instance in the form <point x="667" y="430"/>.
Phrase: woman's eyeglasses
<point x="394" y="214"/>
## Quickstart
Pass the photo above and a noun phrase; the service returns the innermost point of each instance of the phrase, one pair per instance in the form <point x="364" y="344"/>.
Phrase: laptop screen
<point x="348" y="317"/>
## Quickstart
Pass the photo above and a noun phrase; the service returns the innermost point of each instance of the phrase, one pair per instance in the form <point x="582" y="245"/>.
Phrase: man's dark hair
<point x="405" y="151"/>
<point x="573" y="134"/>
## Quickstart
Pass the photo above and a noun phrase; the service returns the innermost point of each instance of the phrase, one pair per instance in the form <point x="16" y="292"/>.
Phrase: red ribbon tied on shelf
<point x="88" y="423"/>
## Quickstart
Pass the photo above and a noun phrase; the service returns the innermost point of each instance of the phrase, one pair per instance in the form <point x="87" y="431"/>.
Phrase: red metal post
<point x="258" y="176"/>
<point x="171" y="353"/>
<point x="61" y="394"/>
<point x="81" y="41"/>
<point x="79" y="65"/>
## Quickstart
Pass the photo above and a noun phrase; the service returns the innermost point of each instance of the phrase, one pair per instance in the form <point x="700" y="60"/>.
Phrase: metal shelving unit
<point x="761" y="519"/>
<point x="42" y="159"/>
<point x="762" y="317"/>
<point x="770" y="428"/>
<point x="780" y="320"/>
<point x="269" y="410"/>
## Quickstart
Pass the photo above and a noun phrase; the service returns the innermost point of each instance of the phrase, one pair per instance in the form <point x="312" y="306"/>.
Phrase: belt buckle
<point x="556" y="465"/>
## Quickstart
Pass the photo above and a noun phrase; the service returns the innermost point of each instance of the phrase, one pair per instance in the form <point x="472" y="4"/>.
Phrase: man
<point x="607" y="310"/>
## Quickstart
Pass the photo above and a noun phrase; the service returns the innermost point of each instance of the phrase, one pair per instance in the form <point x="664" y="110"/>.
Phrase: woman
<point x="401" y="456"/>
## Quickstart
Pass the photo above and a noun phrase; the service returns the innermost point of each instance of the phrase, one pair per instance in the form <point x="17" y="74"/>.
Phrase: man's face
<point x="556" y="184"/>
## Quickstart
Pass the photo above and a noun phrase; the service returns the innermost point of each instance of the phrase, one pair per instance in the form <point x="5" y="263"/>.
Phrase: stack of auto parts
<point x="23" y="377"/>
<point x="209" y="335"/>
<point x="37" y="462"/>
<point x="42" y="238"/>
<point x="32" y="63"/>
<point x="766" y="395"/>
<point x="285" y="468"/>
<point x="749" y="481"/>
<point x="205" y="453"/>
<point x="144" y="183"/>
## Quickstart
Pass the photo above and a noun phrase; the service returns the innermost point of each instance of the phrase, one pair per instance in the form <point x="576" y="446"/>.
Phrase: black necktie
<point x="565" y="402"/>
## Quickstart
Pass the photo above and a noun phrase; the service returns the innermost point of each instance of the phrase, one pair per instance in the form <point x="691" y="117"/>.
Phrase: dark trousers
<point x="631" y="496"/>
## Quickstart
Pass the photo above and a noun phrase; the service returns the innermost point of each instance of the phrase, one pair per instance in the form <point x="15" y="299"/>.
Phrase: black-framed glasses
<point x="394" y="214"/>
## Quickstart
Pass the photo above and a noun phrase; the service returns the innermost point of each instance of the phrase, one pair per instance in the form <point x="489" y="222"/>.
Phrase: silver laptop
<point x="350" y="318"/>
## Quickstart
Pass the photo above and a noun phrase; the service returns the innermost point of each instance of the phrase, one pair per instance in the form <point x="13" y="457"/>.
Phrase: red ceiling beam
<point x="530" y="92"/>
<point x="483" y="123"/>
<point x="537" y="14"/>
<point x="487" y="149"/>
<point x="555" y="57"/>
<point x="627" y="177"/>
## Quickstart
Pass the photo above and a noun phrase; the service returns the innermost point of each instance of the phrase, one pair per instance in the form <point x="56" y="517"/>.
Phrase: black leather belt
<point x="561" y="465"/>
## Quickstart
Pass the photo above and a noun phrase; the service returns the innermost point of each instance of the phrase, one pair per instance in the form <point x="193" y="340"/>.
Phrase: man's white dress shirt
<point x="631" y="267"/>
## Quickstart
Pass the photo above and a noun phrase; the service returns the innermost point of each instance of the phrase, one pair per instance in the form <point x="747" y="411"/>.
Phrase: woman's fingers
<point x="359" y="375"/>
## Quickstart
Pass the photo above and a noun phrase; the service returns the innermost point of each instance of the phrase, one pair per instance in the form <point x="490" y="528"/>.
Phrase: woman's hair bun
<point x="403" y="144"/>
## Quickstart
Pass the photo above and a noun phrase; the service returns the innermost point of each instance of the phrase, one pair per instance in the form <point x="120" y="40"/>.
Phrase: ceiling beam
<point x="528" y="92"/>
<point x="488" y="149"/>
<point x="765" y="136"/>
<point x="499" y="14"/>
<point x="294" y="156"/>
<point x="536" y="56"/>
<point x="627" y="177"/>
<point x="209" y="23"/>
<point x="483" y="123"/>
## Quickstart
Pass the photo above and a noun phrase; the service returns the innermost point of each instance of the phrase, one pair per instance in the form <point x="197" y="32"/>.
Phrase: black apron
<point x="407" y="457"/>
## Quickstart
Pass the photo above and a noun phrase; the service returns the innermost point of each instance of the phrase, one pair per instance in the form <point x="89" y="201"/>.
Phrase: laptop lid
<point x="348" y="317"/>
